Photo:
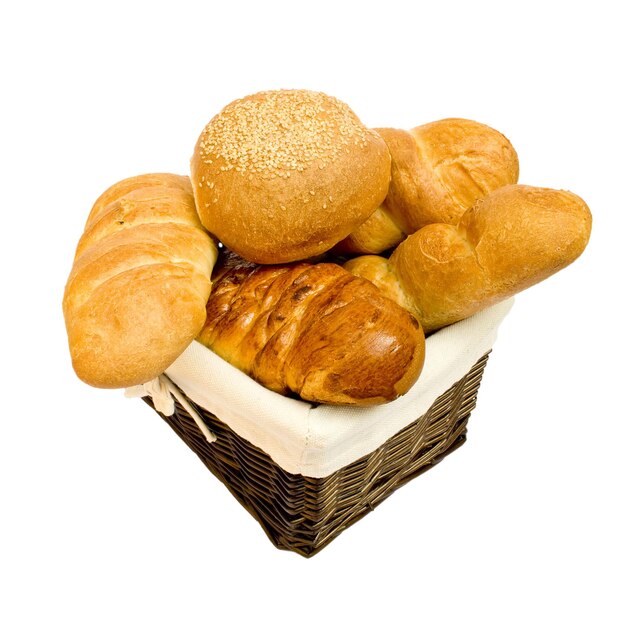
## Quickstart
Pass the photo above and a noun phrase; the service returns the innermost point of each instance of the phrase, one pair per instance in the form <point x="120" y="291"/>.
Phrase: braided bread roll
<point x="136" y="294"/>
<point x="313" y="330"/>
<point x="513" y="238"/>
<point x="438" y="171"/>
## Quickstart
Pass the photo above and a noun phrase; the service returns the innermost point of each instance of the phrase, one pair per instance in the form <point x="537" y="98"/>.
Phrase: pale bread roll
<point x="136" y="295"/>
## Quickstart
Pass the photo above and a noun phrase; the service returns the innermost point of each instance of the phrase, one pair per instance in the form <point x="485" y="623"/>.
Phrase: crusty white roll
<point x="284" y="175"/>
<point x="137" y="292"/>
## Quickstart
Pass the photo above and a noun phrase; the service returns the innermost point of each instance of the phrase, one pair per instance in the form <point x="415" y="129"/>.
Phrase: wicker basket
<point x="305" y="514"/>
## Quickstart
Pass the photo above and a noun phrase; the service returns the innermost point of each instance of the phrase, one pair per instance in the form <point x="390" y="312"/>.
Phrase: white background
<point x="107" y="518"/>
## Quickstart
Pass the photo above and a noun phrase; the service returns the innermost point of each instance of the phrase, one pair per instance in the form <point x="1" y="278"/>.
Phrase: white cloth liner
<point x="317" y="441"/>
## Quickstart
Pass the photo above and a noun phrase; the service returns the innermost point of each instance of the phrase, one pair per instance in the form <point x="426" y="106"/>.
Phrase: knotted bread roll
<point x="513" y="238"/>
<point x="137" y="292"/>
<point x="438" y="171"/>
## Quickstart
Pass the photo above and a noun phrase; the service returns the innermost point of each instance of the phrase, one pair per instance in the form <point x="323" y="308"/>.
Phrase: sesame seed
<point x="282" y="131"/>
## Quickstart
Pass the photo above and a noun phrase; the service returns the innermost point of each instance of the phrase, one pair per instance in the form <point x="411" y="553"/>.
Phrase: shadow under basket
<point x="305" y="514"/>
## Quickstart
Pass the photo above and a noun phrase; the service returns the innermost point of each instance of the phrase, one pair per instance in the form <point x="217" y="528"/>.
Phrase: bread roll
<point x="124" y="187"/>
<point x="280" y="176"/>
<point x="515" y="237"/>
<point x="313" y="330"/>
<point x="438" y="171"/>
<point x="137" y="292"/>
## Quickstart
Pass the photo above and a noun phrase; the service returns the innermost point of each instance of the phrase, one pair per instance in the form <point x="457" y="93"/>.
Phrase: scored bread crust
<point x="123" y="187"/>
<point x="457" y="161"/>
<point x="136" y="295"/>
<point x="438" y="171"/>
<point x="280" y="176"/>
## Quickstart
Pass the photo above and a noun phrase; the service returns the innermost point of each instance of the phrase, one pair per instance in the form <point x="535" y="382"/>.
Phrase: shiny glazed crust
<point x="313" y="330"/>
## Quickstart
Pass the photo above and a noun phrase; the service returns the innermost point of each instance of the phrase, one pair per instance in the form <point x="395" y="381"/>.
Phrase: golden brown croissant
<point x="513" y="238"/>
<point x="438" y="171"/>
<point x="313" y="330"/>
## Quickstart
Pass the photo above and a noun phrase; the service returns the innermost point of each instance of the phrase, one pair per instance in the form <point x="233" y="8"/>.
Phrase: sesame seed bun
<point x="280" y="176"/>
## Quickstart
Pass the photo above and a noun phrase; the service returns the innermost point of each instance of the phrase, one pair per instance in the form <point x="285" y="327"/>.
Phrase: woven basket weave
<point x="305" y="514"/>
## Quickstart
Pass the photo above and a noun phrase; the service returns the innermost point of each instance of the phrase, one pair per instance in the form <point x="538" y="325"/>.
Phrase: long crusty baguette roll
<point x="438" y="171"/>
<point x="313" y="330"/>
<point x="124" y="187"/>
<point x="280" y="176"/>
<point x="513" y="238"/>
<point x="136" y="294"/>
